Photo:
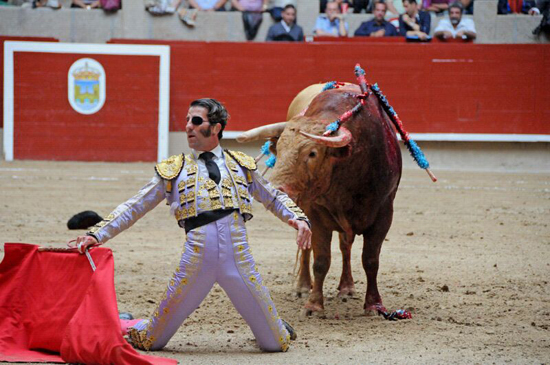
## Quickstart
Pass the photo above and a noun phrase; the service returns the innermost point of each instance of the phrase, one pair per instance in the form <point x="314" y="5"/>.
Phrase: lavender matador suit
<point x="214" y="252"/>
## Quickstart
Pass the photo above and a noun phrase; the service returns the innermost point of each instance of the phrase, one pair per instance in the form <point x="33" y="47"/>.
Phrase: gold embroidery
<point x="231" y="164"/>
<point x="243" y="159"/>
<point x="170" y="168"/>
<point x="246" y="208"/>
<point x="181" y="214"/>
<point x="204" y="205"/>
<point x="249" y="273"/>
<point x="240" y="180"/>
<point x="214" y="194"/>
<point x="226" y="183"/>
<point x="216" y="204"/>
<point x="294" y="208"/>
<point x="210" y="184"/>
<point x="228" y="202"/>
<point x="243" y="193"/>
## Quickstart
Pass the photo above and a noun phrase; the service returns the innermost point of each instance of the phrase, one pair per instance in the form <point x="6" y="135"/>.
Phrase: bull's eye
<point x="313" y="154"/>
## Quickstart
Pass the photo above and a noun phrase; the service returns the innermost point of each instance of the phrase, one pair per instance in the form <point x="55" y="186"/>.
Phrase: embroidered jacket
<point x="189" y="194"/>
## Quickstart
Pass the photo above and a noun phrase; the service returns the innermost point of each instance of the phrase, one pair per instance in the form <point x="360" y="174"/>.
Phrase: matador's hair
<point x="216" y="112"/>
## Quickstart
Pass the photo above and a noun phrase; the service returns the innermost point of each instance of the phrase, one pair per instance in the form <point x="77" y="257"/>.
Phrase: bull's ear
<point x="273" y="146"/>
<point x="339" y="152"/>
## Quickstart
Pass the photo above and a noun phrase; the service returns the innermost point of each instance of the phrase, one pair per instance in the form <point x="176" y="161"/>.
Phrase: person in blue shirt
<point x="332" y="23"/>
<point x="377" y="27"/>
<point x="414" y="22"/>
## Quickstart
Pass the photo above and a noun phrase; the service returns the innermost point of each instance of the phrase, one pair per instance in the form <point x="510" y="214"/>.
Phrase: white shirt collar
<point x="217" y="151"/>
<point x="286" y="26"/>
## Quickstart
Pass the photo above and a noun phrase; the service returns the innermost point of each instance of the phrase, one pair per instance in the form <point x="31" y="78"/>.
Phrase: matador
<point x="210" y="193"/>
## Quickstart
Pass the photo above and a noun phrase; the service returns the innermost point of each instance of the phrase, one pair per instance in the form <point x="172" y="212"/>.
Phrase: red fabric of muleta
<point x="54" y="308"/>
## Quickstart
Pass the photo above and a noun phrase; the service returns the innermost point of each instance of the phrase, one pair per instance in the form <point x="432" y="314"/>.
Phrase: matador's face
<point x="204" y="136"/>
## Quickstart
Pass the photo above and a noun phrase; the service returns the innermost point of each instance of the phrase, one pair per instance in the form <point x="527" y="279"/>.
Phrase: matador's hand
<point x="83" y="242"/>
<point x="303" y="239"/>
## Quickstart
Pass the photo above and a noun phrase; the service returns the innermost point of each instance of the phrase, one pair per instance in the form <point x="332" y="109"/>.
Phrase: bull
<point x="345" y="182"/>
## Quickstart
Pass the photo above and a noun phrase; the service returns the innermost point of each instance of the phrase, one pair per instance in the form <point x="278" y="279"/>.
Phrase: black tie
<point x="211" y="166"/>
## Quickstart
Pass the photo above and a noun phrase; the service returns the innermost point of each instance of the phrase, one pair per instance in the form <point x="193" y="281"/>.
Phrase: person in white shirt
<point x="455" y="26"/>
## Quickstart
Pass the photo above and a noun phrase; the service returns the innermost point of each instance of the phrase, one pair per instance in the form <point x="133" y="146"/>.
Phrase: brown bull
<point x="344" y="183"/>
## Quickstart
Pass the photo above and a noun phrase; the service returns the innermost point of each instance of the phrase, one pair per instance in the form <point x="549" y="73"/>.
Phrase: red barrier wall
<point x="46" y="126"/>
<point x="10" y="38"/>
<point x="435" y="88"/>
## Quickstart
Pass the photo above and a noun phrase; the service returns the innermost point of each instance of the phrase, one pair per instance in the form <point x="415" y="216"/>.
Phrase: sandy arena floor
<point x="469" y="256"/>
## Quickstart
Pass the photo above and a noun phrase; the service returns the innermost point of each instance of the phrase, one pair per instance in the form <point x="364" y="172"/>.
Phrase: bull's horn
<point x="263" y="132"/>
<point x="343" y="138"/>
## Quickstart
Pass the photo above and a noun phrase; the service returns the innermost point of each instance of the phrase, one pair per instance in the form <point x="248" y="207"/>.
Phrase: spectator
<point x="332" y="23"/>
<point x="86" y="4"/>
<point x="286" y="29"/>
<point x="189" y="15"/>
<point x="437" y="6"/>
<point x="414" y="22"/>
<point x="515" y="6"/>
<point x="252" y="15"/>
<point x="377" y="27"/>
<point x="455" y="26"/>
<point x="543" y="7"/>
<point x="468" y="6"/>
<point x="162" y="7"/>
<point x="249" y="5"/>
<point x="276" y="7"/>
<point x="323" y="4"/>
<point x="207" y="5"/>
<point x="54" y="4"/>
<point x="396" y="8"/>
<point x="360" y="5"/>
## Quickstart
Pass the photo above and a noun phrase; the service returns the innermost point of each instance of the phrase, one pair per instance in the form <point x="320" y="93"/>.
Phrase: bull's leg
<point x="372" y="244"/>
<point x="346" y="286"/>
<point x="320" y="241"/>
<point x="303" y="285"/>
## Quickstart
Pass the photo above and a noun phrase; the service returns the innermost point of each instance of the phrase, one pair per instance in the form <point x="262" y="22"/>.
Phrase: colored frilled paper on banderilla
<point x="54" y="308"/>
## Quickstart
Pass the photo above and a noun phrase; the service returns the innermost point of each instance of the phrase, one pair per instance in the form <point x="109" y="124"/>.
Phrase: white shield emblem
<point x="87" y="86"/>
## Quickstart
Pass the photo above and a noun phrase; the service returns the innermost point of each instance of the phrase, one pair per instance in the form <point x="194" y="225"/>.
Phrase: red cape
<point x="54" y="308"/>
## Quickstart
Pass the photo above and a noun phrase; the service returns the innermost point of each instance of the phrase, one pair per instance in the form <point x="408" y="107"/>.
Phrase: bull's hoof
<point x="302" y="291"/>
<point x="346" y="292"/>
<point x="313" y="310"/>
<point x="373" y="310"/>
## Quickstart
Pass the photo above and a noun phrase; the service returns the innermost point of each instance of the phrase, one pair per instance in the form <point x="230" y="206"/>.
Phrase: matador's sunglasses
<point x="196" y="120"/>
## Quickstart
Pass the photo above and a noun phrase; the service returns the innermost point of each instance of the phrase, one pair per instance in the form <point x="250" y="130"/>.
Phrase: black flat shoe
<point x="290" y="330"/>
<point x="125" y="316"/>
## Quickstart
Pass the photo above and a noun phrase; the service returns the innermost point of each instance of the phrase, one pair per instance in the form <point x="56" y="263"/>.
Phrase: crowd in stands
<point x="107" y="5"/>
<point x="408" y="18"/>
<point x="412" y="21"/>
